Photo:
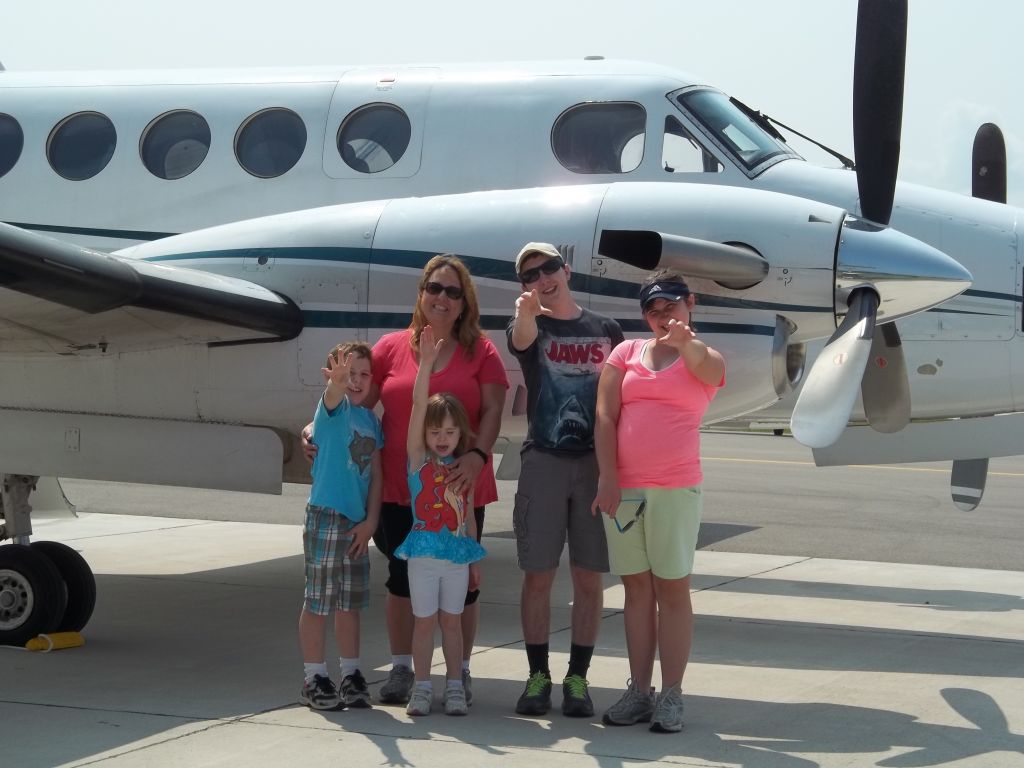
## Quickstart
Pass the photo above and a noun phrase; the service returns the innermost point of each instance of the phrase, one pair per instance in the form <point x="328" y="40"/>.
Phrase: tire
<point x="78" y="579"/>
<point x="32" y="594"/>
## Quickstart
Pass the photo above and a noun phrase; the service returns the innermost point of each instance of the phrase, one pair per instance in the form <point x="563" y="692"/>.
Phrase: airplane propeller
<point x="988" y="182"/>
<point x="828" y="394"/>
<point x="988" y="164"/>
<point x="878" y="71"/>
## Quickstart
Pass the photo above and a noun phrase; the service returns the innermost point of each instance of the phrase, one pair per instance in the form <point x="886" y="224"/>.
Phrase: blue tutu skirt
<point x="440" y="545"/>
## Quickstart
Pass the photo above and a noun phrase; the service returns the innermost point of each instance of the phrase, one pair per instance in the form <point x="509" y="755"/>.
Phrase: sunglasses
<point x="452" y="291"/>
<point x="639" y="511"/>
<point x="549" y="267"/>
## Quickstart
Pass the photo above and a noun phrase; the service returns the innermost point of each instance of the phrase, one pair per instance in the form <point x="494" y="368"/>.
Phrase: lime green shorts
<point x="662" y="539"/>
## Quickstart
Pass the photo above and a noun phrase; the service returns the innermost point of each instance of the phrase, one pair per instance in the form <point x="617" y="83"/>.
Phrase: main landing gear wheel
<point x="77" y="578"/>
<point x="32" y="594"/>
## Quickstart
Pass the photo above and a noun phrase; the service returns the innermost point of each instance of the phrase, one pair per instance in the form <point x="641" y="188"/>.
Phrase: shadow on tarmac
<point x="217" y="647"/>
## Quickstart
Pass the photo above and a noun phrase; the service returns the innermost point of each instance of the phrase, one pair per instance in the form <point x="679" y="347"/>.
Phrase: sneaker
<point x="320" y="693"/>
<point x="455" y="701"/>
<point x="536" y="699"/>
<point x="467" y="686"/>
<point x="420" y="702"/>
<point x="634" y="707"/>
<point x="668" y="711"/>
<point x="354" y="692"/>
<point x="398" y="687"/>
<point x="576" y="697"/>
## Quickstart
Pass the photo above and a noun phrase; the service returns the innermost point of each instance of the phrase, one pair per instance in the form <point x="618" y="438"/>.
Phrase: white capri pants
<point x="437" y="584"/>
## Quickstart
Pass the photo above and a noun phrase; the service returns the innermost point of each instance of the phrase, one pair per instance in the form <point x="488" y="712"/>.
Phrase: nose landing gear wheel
<point x="32" y="594"/>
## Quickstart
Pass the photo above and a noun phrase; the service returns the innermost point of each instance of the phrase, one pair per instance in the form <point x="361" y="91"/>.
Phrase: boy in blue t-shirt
<point x="341" y="516"/>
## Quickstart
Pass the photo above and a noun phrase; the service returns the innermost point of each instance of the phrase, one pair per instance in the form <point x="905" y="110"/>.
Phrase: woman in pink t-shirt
<point x="651" y="398"/>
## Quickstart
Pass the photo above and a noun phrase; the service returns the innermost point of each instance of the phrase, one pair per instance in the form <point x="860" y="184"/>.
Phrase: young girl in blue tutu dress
<point x="441" y="548"/>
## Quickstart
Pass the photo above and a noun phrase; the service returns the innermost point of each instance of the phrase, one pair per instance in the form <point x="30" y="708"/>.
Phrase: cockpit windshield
<point x="731" y="128"/>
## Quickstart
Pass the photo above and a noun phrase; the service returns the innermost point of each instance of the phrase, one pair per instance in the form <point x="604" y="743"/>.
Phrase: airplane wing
<point x="60" y="298"/>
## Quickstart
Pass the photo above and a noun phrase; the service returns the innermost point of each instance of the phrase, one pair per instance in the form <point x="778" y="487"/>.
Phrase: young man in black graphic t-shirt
<point x="561" y="348"/>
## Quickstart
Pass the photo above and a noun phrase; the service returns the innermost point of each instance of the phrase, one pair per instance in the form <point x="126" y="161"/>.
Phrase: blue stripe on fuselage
<point x="479" y="267"/>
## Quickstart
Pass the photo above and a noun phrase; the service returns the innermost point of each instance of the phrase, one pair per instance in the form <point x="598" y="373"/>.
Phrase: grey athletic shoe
<point x="634" y="707"/>
<point x="668" y="711"/>
<point x="398" y="687"/>
<point x="420" y="702"/>
<point x="455" y="701"/>
<point x="320" y="693"/>
<point x="467" y="686"/>
<point x="353" y="691"/>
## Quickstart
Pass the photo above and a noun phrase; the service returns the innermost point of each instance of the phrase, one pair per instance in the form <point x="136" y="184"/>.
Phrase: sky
<point x="792" y="59"/>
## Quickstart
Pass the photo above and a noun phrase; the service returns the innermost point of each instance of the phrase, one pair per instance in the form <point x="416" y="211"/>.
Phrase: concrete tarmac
<point x="799" y="660"/>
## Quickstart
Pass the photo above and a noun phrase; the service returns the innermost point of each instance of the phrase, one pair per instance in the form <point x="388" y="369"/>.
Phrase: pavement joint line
<point x="147" y="747"/>
<point x="797" y="561"/>
<point x="214" y="723"/>
<point x="192" y="718"/>
<point x="853" y="628"/>
<point x="889" y="467"/>
<point x="183" y="524"/>
<point x="184" y="577"/>
<point x="220" y="722"/>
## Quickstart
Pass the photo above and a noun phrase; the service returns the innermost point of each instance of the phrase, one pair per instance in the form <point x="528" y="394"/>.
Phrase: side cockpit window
<point x="681" y="153"/>
<point x="175" y="144"/>
<point x="12" y="140"/>
<point x="731" y="129"/>
<point x="600" y="137"/>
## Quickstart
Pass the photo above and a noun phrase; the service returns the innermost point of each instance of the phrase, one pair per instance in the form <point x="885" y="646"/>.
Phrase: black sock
<point x="537" y="655"/>
<point x="579" y="659"/>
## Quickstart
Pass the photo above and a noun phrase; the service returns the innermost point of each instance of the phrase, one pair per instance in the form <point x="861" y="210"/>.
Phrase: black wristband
<point x="479" y="453"/>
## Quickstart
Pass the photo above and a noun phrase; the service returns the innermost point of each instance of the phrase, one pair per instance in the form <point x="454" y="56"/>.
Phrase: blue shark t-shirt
<point x="561" y="369"/>
<point x="345" y="439"/>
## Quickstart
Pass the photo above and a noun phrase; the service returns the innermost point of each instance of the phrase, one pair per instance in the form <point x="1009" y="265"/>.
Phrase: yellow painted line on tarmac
<point x="888" y="467"/>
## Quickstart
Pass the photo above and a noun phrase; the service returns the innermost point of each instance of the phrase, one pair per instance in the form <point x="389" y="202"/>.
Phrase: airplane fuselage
<point x="118" y="161"/>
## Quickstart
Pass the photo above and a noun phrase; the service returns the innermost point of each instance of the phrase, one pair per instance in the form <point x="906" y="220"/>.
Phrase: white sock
<point x="315" y="668"/>
<point x="425" y="685"/>
<point x="453" y="683"/>
<point x="348" y="666"/>
<point x="404" y="661"/>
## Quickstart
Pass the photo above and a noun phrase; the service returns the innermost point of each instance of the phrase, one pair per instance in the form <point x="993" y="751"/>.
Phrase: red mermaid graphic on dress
<point x="435" y="504"/>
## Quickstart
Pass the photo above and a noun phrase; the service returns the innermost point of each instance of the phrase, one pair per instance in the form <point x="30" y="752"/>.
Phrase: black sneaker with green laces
<point x="576" y="697"/>
<point x="536" y="699"/>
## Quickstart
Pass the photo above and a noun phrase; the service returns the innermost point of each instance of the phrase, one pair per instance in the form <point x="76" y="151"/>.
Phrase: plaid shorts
<point x="333" y="579"/>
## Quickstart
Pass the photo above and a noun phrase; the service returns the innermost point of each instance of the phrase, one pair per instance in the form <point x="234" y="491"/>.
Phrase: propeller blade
<point x="988" y="164"/>
<point x="980" y="710"/>
<point x="828" y="394"/>
<point x="885" y="388"/>
<point x="967" y="483"/>
<point x="878" y="69"/>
